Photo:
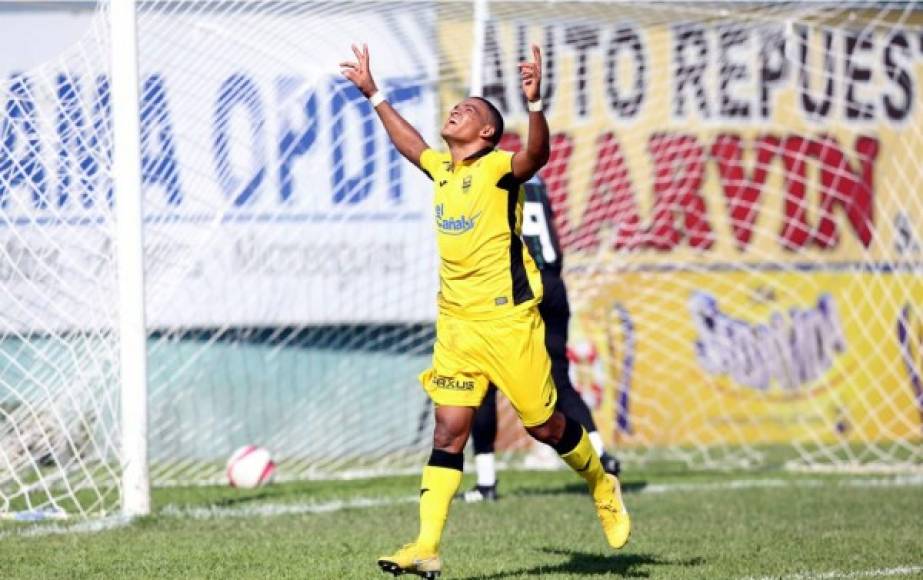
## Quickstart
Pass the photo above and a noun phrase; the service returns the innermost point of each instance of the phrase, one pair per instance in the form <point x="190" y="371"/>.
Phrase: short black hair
<point x="497" y="119"/>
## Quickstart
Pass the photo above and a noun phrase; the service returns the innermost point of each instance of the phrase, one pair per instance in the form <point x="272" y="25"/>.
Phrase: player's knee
<point x="540" y="433"/>
<point x="453" y="425"/>
<point x="450" y="437"/>
<point x="550" y="431"/>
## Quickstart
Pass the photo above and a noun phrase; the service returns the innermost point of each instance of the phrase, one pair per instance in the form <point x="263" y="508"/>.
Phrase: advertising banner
<point x="272" y="194"/>
<point x="739" y="203"/>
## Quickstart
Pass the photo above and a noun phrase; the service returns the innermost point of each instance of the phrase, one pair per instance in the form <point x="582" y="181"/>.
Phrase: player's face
<point x="467" y="121"/>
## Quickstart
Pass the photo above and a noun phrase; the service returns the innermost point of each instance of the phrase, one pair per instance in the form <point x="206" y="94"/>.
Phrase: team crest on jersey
<point x="466" y="184"/>
<point x="454" y="225"/>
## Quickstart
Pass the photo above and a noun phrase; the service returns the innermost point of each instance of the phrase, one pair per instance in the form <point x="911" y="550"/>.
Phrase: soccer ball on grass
<point x="250" y="467"/>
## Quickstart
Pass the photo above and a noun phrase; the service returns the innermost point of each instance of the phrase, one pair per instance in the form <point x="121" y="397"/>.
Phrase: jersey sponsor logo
<point x="454" y="225"/>
<point x="452" y="383"/>
<point x="500" y="301"/>
<point x="466" y="184"/>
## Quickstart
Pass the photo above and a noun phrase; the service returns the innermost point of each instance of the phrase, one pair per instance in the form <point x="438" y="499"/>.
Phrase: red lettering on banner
<point x="743" y="193"/>
<point x="611" y="200"/>
<point x="679" y="165"/>
<point x="841" y="186"/>
<point x="554" y="174"/>
<point x="679" y="209"/>
<point x="795" y="229"/>
<point x="510" y="142"/>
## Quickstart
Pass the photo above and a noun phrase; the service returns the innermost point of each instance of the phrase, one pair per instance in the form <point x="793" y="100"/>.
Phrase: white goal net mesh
<point x="735" y="185"/>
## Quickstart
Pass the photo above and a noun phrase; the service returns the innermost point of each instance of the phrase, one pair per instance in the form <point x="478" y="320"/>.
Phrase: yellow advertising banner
<point x="740" y="202"/>
<point x="710" y="358"/>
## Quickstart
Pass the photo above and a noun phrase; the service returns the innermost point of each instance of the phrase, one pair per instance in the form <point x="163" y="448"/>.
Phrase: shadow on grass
<point x="272" y="492"/>
<point x="576" y="488"/>
<point x="234" y="501"/>
<point x="586" y="564"/>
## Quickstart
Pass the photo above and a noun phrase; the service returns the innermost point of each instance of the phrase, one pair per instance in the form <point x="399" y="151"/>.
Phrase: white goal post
<point x="207" y="240"/>
<point x="126" y="176"/>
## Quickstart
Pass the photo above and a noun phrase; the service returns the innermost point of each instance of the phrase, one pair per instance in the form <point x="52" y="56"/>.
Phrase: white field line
<point x="282" y="509"/>
<point x="838" y="574"/>
<point x="86" y="527"/>
<point x="914" y="480"/>
<point x="277" y="509"/>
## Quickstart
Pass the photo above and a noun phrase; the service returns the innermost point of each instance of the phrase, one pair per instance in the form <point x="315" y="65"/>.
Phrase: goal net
<point x="735" y="186"/>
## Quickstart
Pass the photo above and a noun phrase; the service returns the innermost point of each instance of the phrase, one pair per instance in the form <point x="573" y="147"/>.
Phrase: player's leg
<point x="483" y="434"/>
<point x="555" y="312"/>
<point x="569" y="439"/>
<point x="526" y="381"/>
<point x="572" y="405"/>
<point x="457" y="389"/>
<point x="440" y="481"/>
<point x="442" y="475"/>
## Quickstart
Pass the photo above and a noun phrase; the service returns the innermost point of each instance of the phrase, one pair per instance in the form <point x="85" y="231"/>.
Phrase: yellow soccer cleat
<point x="612" y="513"/>
<point x="411" y="559"/>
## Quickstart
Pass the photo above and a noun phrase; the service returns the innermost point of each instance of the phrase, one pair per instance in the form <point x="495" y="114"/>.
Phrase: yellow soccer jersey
<point x="485" y="272"/>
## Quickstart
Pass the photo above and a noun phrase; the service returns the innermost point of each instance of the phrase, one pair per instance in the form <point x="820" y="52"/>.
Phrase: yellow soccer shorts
<point x="508" y="352"/>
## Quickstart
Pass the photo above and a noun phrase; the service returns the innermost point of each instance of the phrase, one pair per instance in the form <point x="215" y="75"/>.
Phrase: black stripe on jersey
<point x="521" y="289"/>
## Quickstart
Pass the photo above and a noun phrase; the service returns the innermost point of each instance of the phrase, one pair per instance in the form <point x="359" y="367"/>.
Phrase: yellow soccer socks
<point x="441" y="480"/>
<point x="577" y="451"/>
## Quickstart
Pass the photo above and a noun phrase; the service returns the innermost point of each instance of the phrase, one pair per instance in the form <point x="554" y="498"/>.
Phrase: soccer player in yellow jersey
<point x="488" y="329"/>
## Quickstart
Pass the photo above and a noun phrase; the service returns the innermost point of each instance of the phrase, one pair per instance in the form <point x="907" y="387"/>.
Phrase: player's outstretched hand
<point x="531" y="74"/>
<point x="358" y="72"/>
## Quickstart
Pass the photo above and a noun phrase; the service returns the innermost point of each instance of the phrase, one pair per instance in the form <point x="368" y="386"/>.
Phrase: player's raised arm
<point x="535" y="154"/>
<point x="406" y="139"/>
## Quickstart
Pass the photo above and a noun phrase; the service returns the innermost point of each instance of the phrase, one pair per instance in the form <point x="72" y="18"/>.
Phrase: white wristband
<point x="535" y="106"/>
<point x="376" y="99"/>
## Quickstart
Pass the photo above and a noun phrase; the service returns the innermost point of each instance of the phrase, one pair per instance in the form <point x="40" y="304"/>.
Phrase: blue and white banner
<point x="272" y="194"/>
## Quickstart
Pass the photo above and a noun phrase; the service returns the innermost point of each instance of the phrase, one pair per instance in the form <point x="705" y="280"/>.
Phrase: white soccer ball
<point x="249" y="467"/>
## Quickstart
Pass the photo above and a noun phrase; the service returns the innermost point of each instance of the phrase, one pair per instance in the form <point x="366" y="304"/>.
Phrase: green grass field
<point x="686" y="525"/>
